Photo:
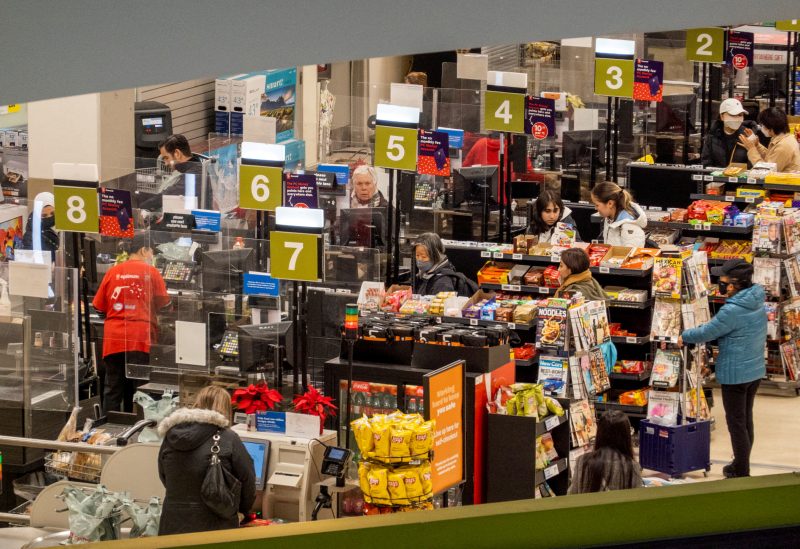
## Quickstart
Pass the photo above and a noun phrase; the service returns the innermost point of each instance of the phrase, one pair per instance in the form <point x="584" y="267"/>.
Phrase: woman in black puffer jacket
<point x="184" y="459"/>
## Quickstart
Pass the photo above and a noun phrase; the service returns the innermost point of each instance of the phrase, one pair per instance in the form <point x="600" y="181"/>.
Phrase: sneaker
<point x="728" y="471"/>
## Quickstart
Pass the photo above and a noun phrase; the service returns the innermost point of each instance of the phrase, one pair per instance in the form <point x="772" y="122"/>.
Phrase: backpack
<point x="464" y="286"/>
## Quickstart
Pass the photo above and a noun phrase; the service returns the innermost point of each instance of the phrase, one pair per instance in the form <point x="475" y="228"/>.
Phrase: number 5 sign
<point x="613" y="77"/>
<point x="260" y="187"/>
<point x="295" y="256"/>
<point x="396" y="148"/>
<point x="77" y="209"/>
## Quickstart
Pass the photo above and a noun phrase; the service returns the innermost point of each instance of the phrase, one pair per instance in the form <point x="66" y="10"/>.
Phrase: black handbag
<point x="221" y="491"/>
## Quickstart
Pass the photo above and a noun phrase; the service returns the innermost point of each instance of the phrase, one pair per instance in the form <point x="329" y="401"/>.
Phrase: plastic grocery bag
<point x="145" y="521"/>
<point x="154" y="409"/>
<point x="93" y="516"/>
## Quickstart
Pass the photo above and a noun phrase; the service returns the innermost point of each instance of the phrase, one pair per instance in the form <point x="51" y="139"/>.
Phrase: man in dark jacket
<point x="187" y="172"/>
<point x="721" y="146"/>
<point x="182" y="464"/>
<point x="740" y="327"/>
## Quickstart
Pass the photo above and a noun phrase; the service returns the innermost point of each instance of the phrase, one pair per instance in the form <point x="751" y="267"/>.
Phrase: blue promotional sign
<point x="455" y="136"/>
<point x="260" y="284"/>
<point x="342" y="172"/>
<point x="207" y="220"/>
<point x="271" y="422"/>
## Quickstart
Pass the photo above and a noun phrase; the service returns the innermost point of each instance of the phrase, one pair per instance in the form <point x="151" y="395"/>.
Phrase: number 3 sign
<point x="294" y="256"/>
<point x="613" y="77"/>
<point x="77" y="209"/>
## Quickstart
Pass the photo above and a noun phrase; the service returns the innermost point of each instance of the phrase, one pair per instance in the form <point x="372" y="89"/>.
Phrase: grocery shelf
<point x="549" y="423"/>
<point x="782" y="187"/>
<point x="552" y="260"/>
<point x="555" y="469"/>
<point x="486" y="323"/>
<point x="725" y="198"/>
<point x="516" y="288"/>
<point x="721" y="229"/>
<point x="631" y="340"/>
<point x="633" y="411"/>
<point x="615" y="304"/>
<point x="528" y="362"/>
<point x="630" y="377"/>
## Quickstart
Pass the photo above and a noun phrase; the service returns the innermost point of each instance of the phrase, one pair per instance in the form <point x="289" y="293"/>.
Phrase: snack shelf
<point x="553" y="470"/>
<point x="782" y="187"/>
<point x="527" y="363"/>
<point x="549" y="423"/>
<point x="640" y="340"/>
<point x="725" y="198"/>
<point x="734" y="180"/>
<point x="631" y="304"/>
<point x="630" y="377"/>
<point x="553" y="260"/>
<point x="486" y="323"/>
<point x="665" y="339"/>
<point x="691" y="227"/>
<point x="634" y="411"/>
<point x="517" y="288"/>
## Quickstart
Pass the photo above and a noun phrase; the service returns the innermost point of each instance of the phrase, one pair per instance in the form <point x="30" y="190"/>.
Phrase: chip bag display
<point x="397" y="488"/>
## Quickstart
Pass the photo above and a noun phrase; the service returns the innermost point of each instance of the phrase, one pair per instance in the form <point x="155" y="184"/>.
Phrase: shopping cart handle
<point x="124" y="438"/>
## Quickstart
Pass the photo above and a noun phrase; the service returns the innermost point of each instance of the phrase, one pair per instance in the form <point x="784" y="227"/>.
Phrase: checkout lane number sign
<point x="613" y="77"/>
<point x="504" y="111"/>
<point x="396" y="148"/>
<point x="77" y="208"/>
<point x="706" y="45"/>
<point x="295" y="256"/>
<point x="260" y="187"/>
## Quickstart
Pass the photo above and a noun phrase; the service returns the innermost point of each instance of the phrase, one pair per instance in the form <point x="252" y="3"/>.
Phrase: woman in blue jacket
<point x="740" y="327"/>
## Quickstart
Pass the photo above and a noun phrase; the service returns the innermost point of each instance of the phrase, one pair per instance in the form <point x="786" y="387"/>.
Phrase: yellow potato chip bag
<point x="378" y="484"/>
<point x="426" y="477"/>
<point x="413" y="483"/>
<point x="397" y="488"/>
<point x="422" y="441"/>
<point x="362" y="431"/>
<point x="363" y="480"/>
<point x="381" y="434"/>
<point x="400" y="440"/>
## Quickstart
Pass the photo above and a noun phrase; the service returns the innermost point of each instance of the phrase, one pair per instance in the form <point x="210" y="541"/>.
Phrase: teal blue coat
<point x="740" y="327"/>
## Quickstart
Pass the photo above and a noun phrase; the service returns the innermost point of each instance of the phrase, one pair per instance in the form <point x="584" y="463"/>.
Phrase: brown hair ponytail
<point x="609" y="191"/>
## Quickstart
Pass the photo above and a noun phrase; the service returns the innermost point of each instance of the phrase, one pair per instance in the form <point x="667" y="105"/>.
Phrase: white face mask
<point x="765" y="131"/>
<point x="733" y="124"/>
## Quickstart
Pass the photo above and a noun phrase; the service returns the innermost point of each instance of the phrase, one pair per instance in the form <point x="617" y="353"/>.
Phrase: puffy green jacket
<point x="740" y="327"/>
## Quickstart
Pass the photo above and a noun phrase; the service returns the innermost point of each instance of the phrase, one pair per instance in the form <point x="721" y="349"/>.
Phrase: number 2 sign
<point x="705" y="45"/>
<point x="77" y="209"/>
<point x="294" y="256"/>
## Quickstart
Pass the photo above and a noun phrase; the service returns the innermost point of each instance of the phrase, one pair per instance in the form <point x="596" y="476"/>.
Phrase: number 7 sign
<point x="295" y="256"/>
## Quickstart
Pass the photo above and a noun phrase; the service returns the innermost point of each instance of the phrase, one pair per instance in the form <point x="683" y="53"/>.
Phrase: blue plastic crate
<point x="675" y="450"/>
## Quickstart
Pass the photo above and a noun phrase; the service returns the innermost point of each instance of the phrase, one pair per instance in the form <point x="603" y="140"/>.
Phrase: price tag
<point x="504" y="111"/>
<point x="613" y="77"/>
<point x="506" y="287"/>
<point x="396" y="148"/>
<point x="708" y="178"/>
<point x="697" y="177"/>
<point x="551" y="471"/>
<point x="750" y="199"/>
<point x="543" y="290"/>
<point x="551" y="423"/>
<point x="77" y="209"/>
<point x="516" y="288"/>
<point x="512" y="326"/>
<point x="260" y="187"/>
<point x="730" y="198"/>
<point x="604" y="270"/>
<point x="438" y="320"/>
<point x="706" y="45"/>
<point x="733" y="180"/>
<point x="486" y="254"/>
<point x="295" y="256"/>
<point x="630" y="340"/>
<point x="555" y="258"/>
<point x="516" y="257"/>
<point x="498" y="255"/>
<point x="752" y="180"/>
<point x="706" y="226"/>
<point x="473" y="321"/>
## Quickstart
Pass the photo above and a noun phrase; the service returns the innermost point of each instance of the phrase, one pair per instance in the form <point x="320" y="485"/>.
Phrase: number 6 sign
<point x="295" y="256"/>
<point x="77" y="209"/>
<point x="396" y="148"/>
<point x="260" y="187"/>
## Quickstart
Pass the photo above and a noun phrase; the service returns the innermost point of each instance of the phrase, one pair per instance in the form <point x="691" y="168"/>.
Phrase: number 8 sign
<point x="294" y="256"/>
<point x="77" y="209"/>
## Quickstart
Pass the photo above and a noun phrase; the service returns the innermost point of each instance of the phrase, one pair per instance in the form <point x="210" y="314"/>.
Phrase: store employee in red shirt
<point x="130" y="295"/>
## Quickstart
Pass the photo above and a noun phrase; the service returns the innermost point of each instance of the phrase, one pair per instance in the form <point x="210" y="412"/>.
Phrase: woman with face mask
<point x="435" y="273"/>
<point x="721" y="146"/>
<point x="39" y="234"/>
<point x="783" y="149"/>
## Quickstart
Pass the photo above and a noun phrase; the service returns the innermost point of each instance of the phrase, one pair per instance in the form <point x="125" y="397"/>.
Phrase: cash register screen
<point x="154" y="124"/>
<point x="259" y="452"/>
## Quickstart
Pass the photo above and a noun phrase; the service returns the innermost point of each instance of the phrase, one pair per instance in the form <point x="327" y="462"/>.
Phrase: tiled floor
<point x="776" y="449"/>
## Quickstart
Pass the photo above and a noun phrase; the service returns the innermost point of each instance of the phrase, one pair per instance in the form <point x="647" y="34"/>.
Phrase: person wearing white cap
<point x="39" y="234"/>
<point x="722" y="146"/>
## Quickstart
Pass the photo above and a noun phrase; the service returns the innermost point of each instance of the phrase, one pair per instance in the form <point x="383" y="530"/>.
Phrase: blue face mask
<point x="424" y="266"/>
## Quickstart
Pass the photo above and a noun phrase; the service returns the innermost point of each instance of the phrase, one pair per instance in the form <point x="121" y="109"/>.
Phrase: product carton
<point x="494" y="273"/>
<point x="222" y="94"/>
<point x="615" y="257"/>
<point x="246" y="92"/>
<point x="222" y="122"/>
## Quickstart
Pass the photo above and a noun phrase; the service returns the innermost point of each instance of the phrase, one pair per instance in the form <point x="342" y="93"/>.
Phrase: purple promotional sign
<point x="300" y="191"/>
<point x="740" y="49"/>
<point x="540" y="120"/>
<point x="648" y="80"/>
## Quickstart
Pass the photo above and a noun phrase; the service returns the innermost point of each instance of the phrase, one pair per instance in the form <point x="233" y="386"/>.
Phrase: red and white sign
<point x="540" y="130"/>
<point x="739" y="61"/>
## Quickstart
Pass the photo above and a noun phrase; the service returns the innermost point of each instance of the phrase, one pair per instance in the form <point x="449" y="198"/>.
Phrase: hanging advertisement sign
<point x="300" y="191"/>
<point x="648" y="80"/>
<point x="740" y="49"/>
<point x="540" y="117"/>
<point x="116" y="213"/>
<point x="433" y="156"/>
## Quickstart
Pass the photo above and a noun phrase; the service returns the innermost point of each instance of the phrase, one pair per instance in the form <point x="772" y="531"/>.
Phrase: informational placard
<point x="648" y="80"/>
<point x="207" y="220"/>
<point x="434" y="153"/>
<point x="116" y="213"/>
<point x="260" y="187"/>
<point x="540" y="117"/>
<point x="300" y="191"/>
<point x="288" y="423"/>
<point x="444" y="402"/>
<point x="504" y="111"/>
<point x="740" y="49"/>
<point x="706" y="45"/>
<point x="29" y="279"/>
<point x="255" y="283"/>
<point x="325" y="180"/>
<point x="455" y="136"/>
<point x="295" y="256"/>
<point x="341" y="171"/>
<point x="77" y="207"/>
<point x="789" y="25"/>
<point x="175" y="222"/>
<point x="613" y="77"/>
<point x="396" y="148"/>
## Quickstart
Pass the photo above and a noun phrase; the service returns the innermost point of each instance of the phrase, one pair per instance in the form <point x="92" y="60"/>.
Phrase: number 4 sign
<point x="77" y="209"/>
<point x="295" y="256"/>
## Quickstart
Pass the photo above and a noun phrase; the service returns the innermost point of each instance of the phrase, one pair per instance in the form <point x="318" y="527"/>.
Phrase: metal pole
<point x="303" y="336"/>
<point x="296" y="334"/>
<point x="390" y="229"/>
<point x="616" y="141"/>
<point x="43" y="444"/>
<point x="703" y="112"/>
<point x="500" y="177"/>
<point x="794" y="73"/>
<point x="608" y="136"/>
<point x="507" y="191"/>
<point x="350" y="344"/>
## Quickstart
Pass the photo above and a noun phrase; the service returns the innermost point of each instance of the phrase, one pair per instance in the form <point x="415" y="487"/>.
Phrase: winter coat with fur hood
<point x="182" y="464"/>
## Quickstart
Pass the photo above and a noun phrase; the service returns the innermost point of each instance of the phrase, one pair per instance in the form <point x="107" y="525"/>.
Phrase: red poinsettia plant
<point x="256" y="398"/>
<point x="312" y="402"/>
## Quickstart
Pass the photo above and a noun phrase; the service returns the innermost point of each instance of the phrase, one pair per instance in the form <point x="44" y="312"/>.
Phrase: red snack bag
<point x="551" y="277"/>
